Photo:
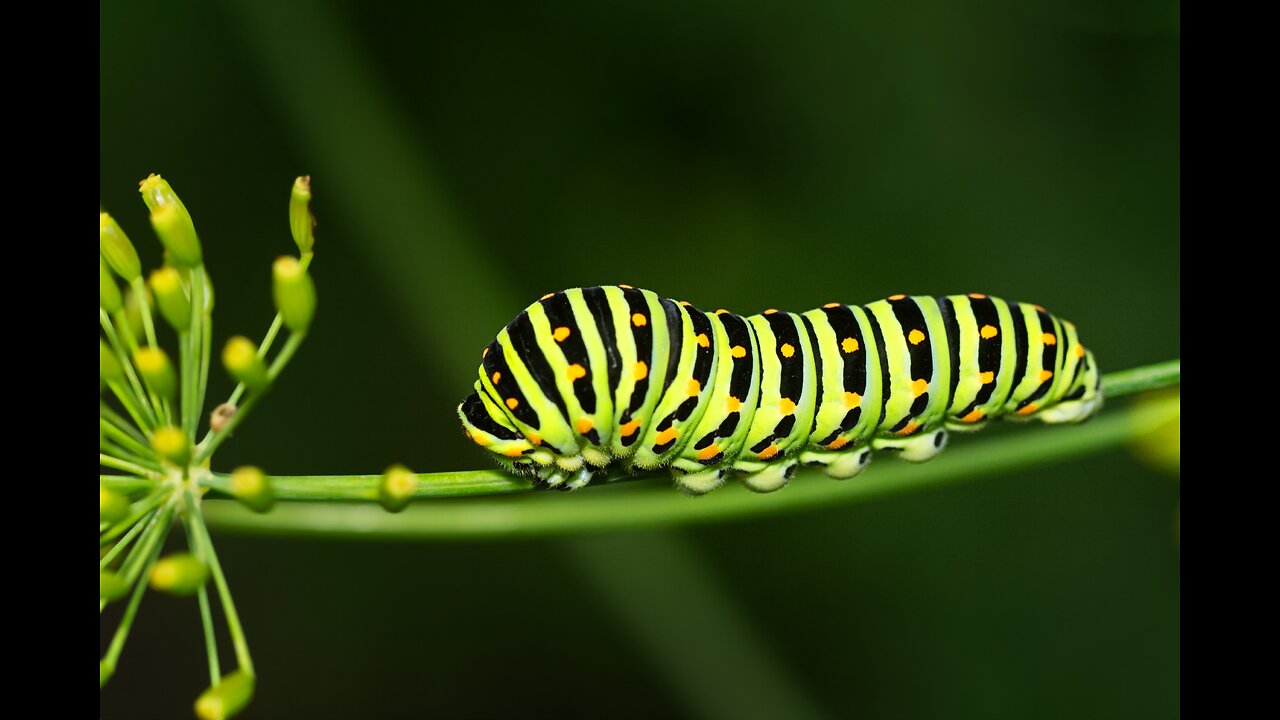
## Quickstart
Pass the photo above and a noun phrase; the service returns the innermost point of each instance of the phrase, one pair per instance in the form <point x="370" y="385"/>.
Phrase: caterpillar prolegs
<point x="591" y="376"/>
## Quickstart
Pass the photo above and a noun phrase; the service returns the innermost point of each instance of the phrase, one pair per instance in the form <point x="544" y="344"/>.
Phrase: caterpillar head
<point x="490" y="428"/>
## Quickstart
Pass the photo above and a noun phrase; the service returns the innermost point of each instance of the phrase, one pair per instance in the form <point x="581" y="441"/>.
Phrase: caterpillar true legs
<point x="588" y="377"/>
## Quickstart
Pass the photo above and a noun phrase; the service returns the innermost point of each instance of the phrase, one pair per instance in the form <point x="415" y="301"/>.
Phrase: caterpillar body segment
<point x="588" y="377"/>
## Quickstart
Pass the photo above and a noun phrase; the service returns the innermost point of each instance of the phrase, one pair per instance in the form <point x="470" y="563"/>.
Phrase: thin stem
<point x="206" y="616"/>
<point x="193" y="342"/>
<point x="139" y="400"/>
<point x="111" y="416"/>
<point x="111" y="462"/>
<point x="140" y="291"/>
<point x="1147" y="377"/>
<point x="126" y="441"/>
<point x="112" y="450"/>
<point x="206" y="348"/>
<point x="122" y="631"/>
<point x="124" y="396"/>
<point x="656" y="504"/>
<point x="224" y="593"/>
<point x="139" y="509"/>
<point x="122" y="544"/>
<point x="126" y="484"/>
<point x="211" y="443"/>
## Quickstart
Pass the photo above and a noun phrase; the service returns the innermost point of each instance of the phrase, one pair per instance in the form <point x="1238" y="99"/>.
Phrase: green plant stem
<point x="137" y="404"/>
<point x="206" y="615"/>
<point x="1139" y="379"/>
<point x="111" y="416"/>
<point x="126" y="622"/>
<point x="119" y="453"/>
<point x="655" y="504"/>
<point x="206" y="348"/>
<point x="123" y="543"/>
<point x="243" y="658"/>
<point x="125" y="441"/>
<point x="211" y="442"/>
<point x="127" y="484"/>
<point x="191" y="341"/>
<point x="111" y="462"/>
<point x="139" y="509"/>
<point x="144" y="305"/>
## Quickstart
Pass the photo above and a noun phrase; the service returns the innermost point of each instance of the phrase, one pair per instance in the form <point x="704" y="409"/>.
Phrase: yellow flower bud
<point x="172" y="444"/>
<point x="179" y="574"/>
<point x="154" y="367"/>
<point x="175" y="306"/>
<point x="231" y="695"/>
<point x="240" y="357"/>
<point x="113" y="506"/>
<point x="250" y="486"/>
<point x="397" y="488"/>
<point x="295" y="294"/>
<point x="109" y="293"/>
<point x="173" y="225"/>
<point x="116" y="249"/>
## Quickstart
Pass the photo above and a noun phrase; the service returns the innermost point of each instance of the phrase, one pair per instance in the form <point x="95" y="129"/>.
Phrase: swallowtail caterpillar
<point x="593" y="376"/>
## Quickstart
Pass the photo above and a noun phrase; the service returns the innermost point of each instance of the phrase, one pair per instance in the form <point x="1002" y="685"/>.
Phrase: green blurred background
<point x="468" y="158"/>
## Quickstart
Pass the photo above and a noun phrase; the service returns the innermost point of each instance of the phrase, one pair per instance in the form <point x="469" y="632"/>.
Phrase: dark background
<point x="467" y="159"/>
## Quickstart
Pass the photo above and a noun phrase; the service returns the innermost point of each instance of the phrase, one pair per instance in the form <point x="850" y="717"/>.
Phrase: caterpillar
<point x="591" y="376"/>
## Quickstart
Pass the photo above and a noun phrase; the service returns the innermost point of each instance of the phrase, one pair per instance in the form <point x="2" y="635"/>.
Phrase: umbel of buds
<point x="157" y="443"/>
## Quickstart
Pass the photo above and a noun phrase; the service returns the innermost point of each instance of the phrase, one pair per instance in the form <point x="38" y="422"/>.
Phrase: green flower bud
<point x="173" y="225"/>
<point x="110" y="298"/>
<point x="156" y="192"/>
<point x="111" y="586"/>
<point x="179" y="574"/>
<point x="154" y="367"/>
<point x="240" y="357"/>
<point x="231" y="695"/>
<point x="117" y="250"/>
<point x="253" y="488"/>
<point x="294" y="293"/>
<point x="172" y="444"/>
<point x="301" y="222"/>
<point x="114" y="507"/>
<point x="175" y="306"/>
<point x="109" y="369"/>
<point x="133" y="313"/>
<point x="397" y="488"/>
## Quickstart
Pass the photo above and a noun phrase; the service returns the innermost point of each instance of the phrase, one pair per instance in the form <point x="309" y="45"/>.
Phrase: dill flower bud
<point x="172" y="444"/>
<point x="301" y="222"/>
<point x="173" y="225"/>
<point x="111" y="586"/>
<point x="179" y="574"/>
<point x="240" y="357"/>
<point x="175" y="306"/>
<point x="294" y="293"/>
<point x="250" y="486"/>
<point x="397" y="488"/>
<point x="157" y="192"/>
<point x="109" y="368"/>
<point x="132" y="314"/>
<point x="113" y="506"/>
<point x="117" y="250"/>
<point x="227" y="698"/>
<point x="109" y="294"/>
<point x="154" y="367"/>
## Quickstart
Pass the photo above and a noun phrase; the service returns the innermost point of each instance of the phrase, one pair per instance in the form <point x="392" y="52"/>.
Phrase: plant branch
<point x="654" y="504"/>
